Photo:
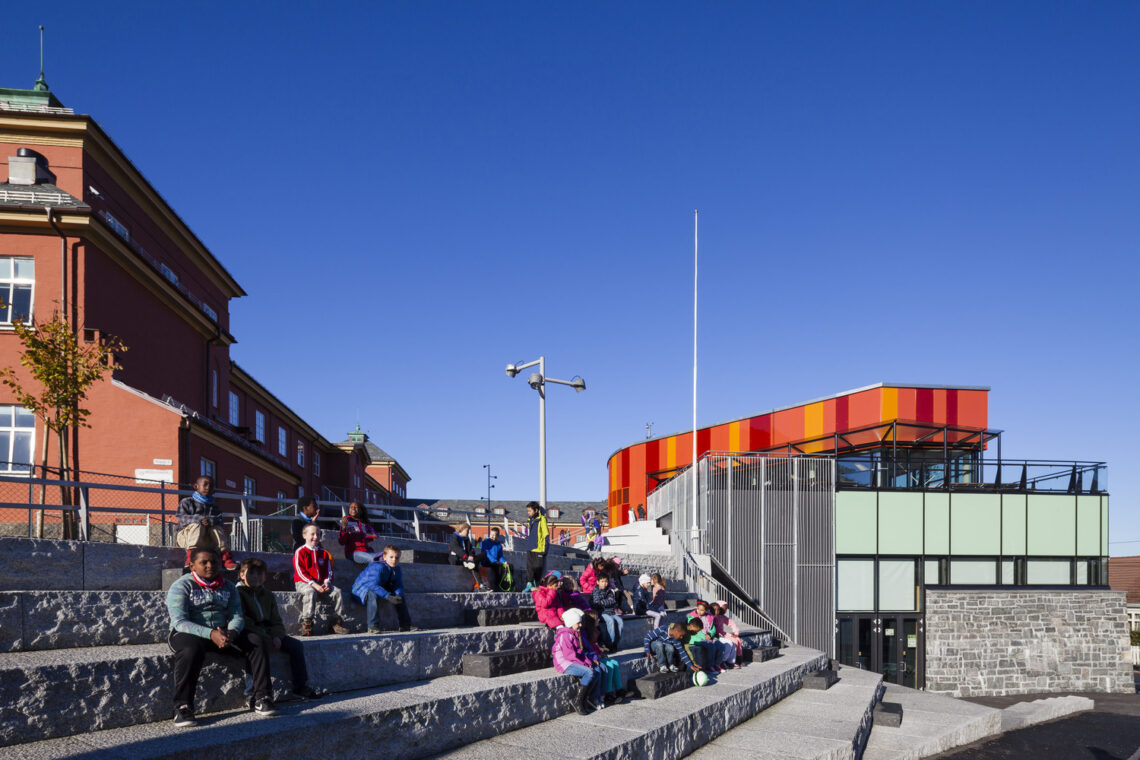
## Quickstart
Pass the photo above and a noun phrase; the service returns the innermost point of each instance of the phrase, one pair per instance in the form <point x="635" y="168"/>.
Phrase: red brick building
<point x="83" y="231"/>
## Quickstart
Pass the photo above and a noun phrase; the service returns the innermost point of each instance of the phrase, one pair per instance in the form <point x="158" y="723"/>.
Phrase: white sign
<point x="166" y="462"/>
<point x="149" y="476"/>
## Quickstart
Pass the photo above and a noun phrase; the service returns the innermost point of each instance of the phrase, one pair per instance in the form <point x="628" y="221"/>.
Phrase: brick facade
<point x="998" y="642"/>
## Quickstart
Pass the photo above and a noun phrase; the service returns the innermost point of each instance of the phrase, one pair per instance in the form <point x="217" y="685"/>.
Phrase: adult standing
<point x="538" y="533"/>
<point x="205" y="616"/>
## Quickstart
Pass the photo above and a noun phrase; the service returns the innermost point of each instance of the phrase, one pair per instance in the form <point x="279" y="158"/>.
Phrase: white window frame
<point x="282" y="441"/>
<point x="249" y="486"/>
<point x="7" y="284"/>
<point x="208" y="468"/>
<point x="235" y="409"/>
<point x="259" y="425"/>
<point x="317" y="464"/>
<point x="300" y="453"/>
<point x="6" y="467"/>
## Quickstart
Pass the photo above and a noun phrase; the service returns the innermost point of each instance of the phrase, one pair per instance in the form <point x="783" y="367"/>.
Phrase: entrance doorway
<point x="891" y="644"/>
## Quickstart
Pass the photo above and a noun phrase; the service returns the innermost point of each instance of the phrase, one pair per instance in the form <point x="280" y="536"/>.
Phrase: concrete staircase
<point x="636" y="538"/>
<point x="85" y="670"/>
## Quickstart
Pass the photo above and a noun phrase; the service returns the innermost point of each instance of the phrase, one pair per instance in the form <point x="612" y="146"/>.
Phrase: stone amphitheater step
<point x="1037" y="711"/>
<point x="931" y="724"/>
<point x="815" y="725"/>
<point x="666" y="728"/>
<point x="40" y="620"/>
<point x="42" y="564"/>
<point x="414" y="720"/>
<point x="50" y="693"/>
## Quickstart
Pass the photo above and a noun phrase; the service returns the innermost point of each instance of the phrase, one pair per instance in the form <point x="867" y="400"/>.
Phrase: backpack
<point x="507" y="582"/>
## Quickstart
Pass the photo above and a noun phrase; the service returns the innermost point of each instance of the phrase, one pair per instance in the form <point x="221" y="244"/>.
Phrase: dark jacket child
<point x="205" y="616"/>
<point x="605" y="601"/>
<point x="356" y="534"/>
<point x="617" y="575"/>
<point x="200" y="523"/>
<point x="307" y="512"/>
<point x="664" y="644"/>
<point x="699" y="647"/>
<point x="461" y="551"/>
<point x="383" y="580"/>
<point x="263" y="623"/>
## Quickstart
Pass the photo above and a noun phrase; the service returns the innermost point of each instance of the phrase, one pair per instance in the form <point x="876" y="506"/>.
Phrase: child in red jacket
<point x="548" y="602"/>
<point x="312" y="577"/>
<point x="356" y="535"/>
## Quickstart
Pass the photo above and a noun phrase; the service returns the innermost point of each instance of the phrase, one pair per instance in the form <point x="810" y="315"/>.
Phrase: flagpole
<point x="694" y="459"/>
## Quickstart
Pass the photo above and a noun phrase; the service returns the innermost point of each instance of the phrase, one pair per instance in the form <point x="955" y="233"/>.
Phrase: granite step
<point x="68" y="691"/>
<point x="807" y="725"/>
<point x="39" y="620"/>
<point x="932" y="723"/>
<point x="1031" y="713"/>
<point x="672" y="726"/>
<point x="409" y="721"/>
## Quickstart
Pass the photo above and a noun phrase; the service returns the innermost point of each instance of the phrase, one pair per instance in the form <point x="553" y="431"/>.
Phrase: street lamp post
<point x="538" y="381"/>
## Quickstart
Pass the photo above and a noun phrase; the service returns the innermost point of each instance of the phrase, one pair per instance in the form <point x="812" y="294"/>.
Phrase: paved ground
<point x="1111" y="731"/>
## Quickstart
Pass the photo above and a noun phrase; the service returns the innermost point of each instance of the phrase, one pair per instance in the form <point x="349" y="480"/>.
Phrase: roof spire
<point x="41" y="83"/>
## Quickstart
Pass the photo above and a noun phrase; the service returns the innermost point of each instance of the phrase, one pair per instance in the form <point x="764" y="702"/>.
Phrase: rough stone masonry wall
<point x="996" y="642"/>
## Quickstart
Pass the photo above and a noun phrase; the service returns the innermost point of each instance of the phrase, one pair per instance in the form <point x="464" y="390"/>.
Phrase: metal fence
<point x="769" y="523"/>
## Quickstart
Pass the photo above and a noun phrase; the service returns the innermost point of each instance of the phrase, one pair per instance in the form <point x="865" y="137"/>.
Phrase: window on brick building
<point x="17" y="432"/>
<point x="316" y="464"/>
<point x="208" y="468"/>
<point x="235" y="409"/>
<point x="259" y="426"/>
<point x="17" y="283"/>
<point x="249" y="486"/>
<point x="300" y="453"/>
<point x="282" y="440"/>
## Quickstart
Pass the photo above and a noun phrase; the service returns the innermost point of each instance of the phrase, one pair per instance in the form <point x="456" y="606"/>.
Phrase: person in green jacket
<point x="205" y="617"/>
<point x="264" y="626"/>
<point x="538" y="533"/>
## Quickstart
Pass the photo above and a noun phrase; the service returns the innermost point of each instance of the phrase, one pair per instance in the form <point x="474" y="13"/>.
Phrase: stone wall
<point x="993" y="642"/>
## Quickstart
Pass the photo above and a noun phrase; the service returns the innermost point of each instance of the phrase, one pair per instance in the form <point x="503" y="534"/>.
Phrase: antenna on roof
<point x="41" y="83"/>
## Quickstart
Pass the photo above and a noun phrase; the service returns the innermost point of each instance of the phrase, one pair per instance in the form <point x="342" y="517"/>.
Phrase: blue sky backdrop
<point x="415" y="194"/>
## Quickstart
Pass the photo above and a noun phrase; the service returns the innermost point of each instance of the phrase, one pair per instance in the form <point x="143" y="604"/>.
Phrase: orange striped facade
<point x="807" y="426"/>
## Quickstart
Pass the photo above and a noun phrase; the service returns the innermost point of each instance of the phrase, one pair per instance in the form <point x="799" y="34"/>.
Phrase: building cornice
<point x="247" y="382"/>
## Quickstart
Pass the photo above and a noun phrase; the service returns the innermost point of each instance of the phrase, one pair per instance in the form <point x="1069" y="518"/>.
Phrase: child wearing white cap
<point x="570" y="658"/>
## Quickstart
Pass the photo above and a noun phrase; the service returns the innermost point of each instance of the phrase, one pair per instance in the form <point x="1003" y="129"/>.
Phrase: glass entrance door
<point x="887" y="644"/>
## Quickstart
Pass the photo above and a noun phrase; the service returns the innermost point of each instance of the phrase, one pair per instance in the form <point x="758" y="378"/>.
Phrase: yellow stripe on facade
<point x="813" y="420"/>
<point x="613" y="473"/>
<point x="890" y="404"/>
<point x="670" y="453"/>
<point x="734" y="436"/>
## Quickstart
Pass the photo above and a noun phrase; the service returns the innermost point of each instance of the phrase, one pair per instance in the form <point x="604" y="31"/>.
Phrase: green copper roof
<point x="36" y="97"/>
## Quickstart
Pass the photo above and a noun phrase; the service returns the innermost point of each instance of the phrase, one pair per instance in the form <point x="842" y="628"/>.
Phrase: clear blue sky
<point x="415" y="194"/>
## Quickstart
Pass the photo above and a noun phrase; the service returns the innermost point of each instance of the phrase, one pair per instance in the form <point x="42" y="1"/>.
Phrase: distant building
<point x="1124" y="575"/>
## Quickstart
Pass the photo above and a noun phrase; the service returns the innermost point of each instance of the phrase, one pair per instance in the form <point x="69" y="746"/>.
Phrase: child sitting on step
<point x="312" y="578"/>
<point x="656" y="606"/>
<point x="612" y="688"/>
<point x="548" y="602"/>
<point x="200" y="523"/>
<point x="729" y="631"/>
<point x="383" y="580"/>
<point x="570" y="658"/>
<point x="356" y="535"/>
<point x="700" y="648"/>
<point x="263" y="624"/>
<point x="604" y="600"/>
<point x="205" y="617"/>
<point x="664" y="645"/>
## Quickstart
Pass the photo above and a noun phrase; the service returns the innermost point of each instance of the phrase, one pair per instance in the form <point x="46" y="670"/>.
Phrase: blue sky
<point x="415" y="194"/>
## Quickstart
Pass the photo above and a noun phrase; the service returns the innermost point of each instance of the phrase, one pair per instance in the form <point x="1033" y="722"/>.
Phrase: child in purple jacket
<point x="571" y="659"/>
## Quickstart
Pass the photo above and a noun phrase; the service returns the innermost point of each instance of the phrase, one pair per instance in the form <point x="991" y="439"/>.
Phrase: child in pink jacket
<point x="548" y="601"/>
<point x="572" y="659"/>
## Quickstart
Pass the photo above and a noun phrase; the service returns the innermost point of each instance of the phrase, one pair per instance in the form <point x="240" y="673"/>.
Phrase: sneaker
<point x="339" y="627"/>
<point x="737" y="666"/>
<point x="264" y="706"/>
<point x="375" y="630"/>
<point x="307" y="692"/>
<point x="665" y="669"/>
<point x="228" y="561"/>
<point x="184" y="716"/>
<point x="674" y="669"/>
<point x="409" y="629"/>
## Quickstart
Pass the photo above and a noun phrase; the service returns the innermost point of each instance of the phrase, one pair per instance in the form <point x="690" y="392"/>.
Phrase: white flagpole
<point x="694" y="460"/>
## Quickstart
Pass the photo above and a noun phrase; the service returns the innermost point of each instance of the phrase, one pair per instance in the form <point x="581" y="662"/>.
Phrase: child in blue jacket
<point x="383" y="580"/>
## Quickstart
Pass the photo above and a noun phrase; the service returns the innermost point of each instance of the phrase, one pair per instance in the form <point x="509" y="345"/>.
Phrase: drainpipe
<point x="62" y="262"/>
<point x="216" y="337"/>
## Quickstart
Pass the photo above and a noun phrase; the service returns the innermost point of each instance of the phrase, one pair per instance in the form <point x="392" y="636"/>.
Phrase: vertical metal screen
<point x="769" y="522"/>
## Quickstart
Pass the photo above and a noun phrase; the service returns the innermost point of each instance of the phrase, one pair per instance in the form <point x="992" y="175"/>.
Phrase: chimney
<point x="28" y="168"/>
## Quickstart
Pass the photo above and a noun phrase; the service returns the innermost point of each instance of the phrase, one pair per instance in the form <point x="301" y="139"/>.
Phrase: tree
<point x="63" y="370"/>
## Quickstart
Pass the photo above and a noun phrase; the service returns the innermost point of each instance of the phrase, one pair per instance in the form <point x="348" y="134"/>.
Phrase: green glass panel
<point x="1051" y="520"/>
<point x="855" y="585"/>
<point x="855" y="523"/>
<point x="1088" y="526"/>
<point x="900" y="524"/>
<point x="937" y="507"/>
<point x="975" y="523"/>
<point x="1104" y="525"/>
<point x="1013" y="524"/>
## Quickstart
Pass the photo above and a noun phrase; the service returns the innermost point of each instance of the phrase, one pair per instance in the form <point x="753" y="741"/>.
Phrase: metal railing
<point x="768" y="521"/>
